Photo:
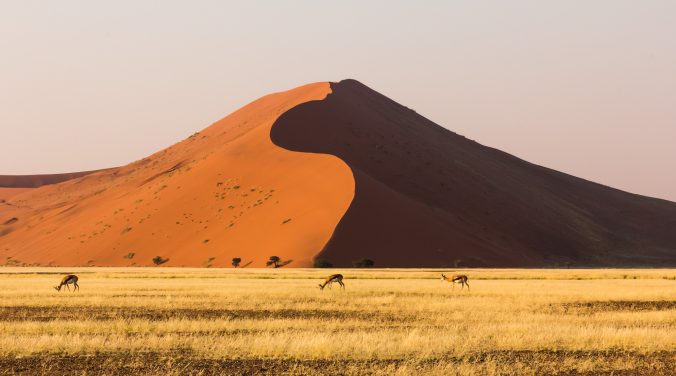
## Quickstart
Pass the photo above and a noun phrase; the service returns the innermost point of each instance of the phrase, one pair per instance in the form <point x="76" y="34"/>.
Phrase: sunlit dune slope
<point x="221" y="193"/>
<point x="426" y="196"/>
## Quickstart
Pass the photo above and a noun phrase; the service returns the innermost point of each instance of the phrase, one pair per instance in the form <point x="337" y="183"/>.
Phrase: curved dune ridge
<point x="224" y="192"/>
<point x="334" y="171"/>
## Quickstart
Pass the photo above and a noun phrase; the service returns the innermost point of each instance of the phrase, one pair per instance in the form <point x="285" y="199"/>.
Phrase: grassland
<point x="224" y="321"/>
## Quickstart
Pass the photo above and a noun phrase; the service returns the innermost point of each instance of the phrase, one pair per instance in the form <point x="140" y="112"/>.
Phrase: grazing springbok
<point x="70" y="279"/>
<point x="332" y="278"/>
<point x="458" y="278"/>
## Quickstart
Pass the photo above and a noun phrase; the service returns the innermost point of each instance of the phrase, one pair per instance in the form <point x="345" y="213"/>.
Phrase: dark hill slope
<point x="35" y="181"/>
<point x="425" y="196"/>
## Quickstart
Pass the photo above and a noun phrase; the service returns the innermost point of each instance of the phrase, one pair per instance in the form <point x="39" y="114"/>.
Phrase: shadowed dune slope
<point x="425" y="196"/>
<point x="224" y="192"/>
<point x="34" y="181"/>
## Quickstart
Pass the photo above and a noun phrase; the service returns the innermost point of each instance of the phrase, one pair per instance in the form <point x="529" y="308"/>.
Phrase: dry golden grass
<point x="387" y="321"/>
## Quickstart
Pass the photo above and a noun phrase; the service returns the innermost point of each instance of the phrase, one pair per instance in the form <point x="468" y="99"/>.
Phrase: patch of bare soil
<point x="52" y="313"/>
<point x="568" y="363"/>
<point x="560" y="363"/>
<point x="614" y="305"/>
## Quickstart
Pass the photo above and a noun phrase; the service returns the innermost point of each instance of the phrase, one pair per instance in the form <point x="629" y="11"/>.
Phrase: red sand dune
<point x="340" y="172"/>
<point x="224" y="192"/>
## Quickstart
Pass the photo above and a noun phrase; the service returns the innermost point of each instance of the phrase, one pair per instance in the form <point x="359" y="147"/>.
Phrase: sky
<point x="584" y="87"/>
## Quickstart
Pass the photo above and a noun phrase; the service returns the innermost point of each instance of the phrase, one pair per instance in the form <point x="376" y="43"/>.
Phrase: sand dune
<point x="336" y="171"/>
<point x="221" y="193"/>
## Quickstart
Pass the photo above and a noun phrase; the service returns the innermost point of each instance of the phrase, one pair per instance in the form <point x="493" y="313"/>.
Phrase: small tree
<point x="323" y="263"/>
<point x="236" y="261"/>
<point x="158" y="260"/>
<point x="363" y="263"/>
<point x="274" y="260"/>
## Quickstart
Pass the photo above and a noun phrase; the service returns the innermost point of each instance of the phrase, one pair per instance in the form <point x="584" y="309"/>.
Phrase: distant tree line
<point x="277" y="262"/>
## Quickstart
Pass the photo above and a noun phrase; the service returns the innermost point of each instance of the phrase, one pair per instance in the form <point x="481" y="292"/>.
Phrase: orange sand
<point x="221" y="193"/>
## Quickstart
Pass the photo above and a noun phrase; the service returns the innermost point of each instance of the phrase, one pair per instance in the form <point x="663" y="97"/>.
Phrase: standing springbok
<point x="458" y="278"/>
<point x="70" y="279"/>
<point x="332" y="278"/>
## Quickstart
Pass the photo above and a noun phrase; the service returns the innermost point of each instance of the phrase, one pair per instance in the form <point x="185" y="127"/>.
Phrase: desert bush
<point x="322" y="263"/>
<point x="274" y="261"/>
<point x="159" y="260"/>
<point x="236" y="261"/>
<point x="363" y="263"/>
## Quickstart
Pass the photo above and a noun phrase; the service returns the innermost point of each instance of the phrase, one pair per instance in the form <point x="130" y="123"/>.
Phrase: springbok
<point x="458" y="278"/>
<point x="70" y="279"/>
<point x="332" y="278"/>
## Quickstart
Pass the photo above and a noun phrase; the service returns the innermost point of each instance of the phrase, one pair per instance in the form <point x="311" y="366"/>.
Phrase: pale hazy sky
<point x="585" y="87"/>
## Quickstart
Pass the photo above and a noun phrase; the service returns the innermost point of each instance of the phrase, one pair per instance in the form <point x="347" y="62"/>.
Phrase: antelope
<point x="68" y="280"/>
<point x="458" y="278"/>
<point x="332" y="278"/>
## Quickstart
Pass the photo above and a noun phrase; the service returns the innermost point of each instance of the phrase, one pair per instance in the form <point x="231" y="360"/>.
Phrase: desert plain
<point x="173" y="321"/>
